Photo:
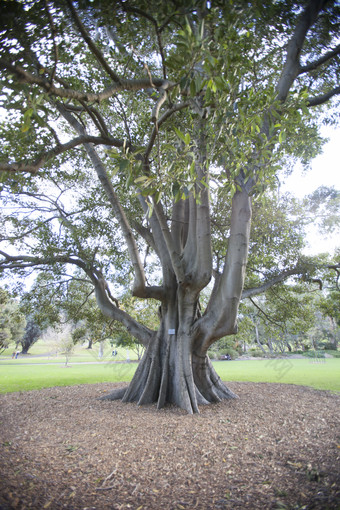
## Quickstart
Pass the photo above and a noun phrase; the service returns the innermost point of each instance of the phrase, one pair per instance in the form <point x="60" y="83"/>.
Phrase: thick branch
<point x="203" y="228"/>
<point x="26" y="261"/>
<point x="106" y="302"/>
<point x="315" y="101"/>
<point x="131" y="85"/>
<point x="59" y="149"/>
<point x="139" y="287"/>
<point x="248" y="293"/>
<point x="291" y="67"/>
<point x="158" y="240"/>
<point x="176" y="261"/>
<point x="220" y="317"/>
<point x="142" y="333"/>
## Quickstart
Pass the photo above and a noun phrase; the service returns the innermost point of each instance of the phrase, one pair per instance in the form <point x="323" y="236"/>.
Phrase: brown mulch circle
<point x="276" y="447"/>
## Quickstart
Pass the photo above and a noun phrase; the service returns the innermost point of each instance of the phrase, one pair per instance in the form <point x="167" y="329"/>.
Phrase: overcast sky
<point x="325" y="171"/>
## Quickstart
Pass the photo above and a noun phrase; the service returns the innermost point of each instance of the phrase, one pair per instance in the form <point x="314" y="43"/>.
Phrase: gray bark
<point x="171" y="372"/>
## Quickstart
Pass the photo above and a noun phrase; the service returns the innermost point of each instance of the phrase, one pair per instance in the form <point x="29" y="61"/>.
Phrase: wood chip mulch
<point x="276" y="447"/>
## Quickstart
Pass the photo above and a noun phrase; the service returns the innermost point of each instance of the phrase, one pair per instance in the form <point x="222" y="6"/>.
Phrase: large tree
<point x="136" y="135"/>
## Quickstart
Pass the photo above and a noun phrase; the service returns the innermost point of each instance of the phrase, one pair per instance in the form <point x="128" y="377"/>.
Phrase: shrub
<point x="257" y="353"/>
<point x="329" y="346"/>
<point x="332" y="352"/>
<point x="214" y="354"/>
<point x="314" y="354"/>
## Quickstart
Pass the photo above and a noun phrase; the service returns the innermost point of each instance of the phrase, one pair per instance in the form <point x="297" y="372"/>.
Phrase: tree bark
<point x="171" y="371"/>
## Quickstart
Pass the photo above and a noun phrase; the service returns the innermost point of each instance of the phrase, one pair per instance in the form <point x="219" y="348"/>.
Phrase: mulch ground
<point x="276" y="447"/>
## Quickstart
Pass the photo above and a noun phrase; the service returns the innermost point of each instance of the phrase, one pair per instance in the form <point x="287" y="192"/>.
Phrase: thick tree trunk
<point x="171" y="372"/>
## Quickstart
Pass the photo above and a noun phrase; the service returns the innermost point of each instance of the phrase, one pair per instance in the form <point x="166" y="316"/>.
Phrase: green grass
<point x="34" y="377"/>
<point x="60" y="359"/>
<point x="43" y="352"/>
<point x="323" y="375"/>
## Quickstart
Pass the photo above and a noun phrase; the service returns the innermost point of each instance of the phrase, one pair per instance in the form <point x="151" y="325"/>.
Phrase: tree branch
<point x="139" y="331"/>
<point x="106" y="302"/>
<point x="265" y="314"/>
<point x="91" y="45"/>
<point x="26" y="261"/>
<point x="158" y="239"/>
<point x="317" y="63"/>
<point x="145" y="234"/>
<point x="220" y="317"/>
<point x="54" y="32"/>
<point x="158" y="30"/>
<point x="176" y="261"/>
<point x="59" y="149"/>
<point x="139" y="287"/>
<point x="129" y="85"/>
<point x="315" y="101"/>
<point x="291" y="67"/>
<point x="162" y="119"/>
<point x="248" y="293"/>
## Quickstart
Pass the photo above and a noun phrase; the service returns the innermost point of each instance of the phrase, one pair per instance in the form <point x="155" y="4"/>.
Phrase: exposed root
<point x="117" y="394"/>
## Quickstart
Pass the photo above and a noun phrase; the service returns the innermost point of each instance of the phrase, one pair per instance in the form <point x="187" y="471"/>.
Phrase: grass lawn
<point x="44" y="352"/>
<point x="33" y="377"/>
<point x="324" y="374"/>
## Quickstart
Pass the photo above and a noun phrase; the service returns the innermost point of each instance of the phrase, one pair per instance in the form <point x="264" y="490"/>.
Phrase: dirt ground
<point x="276" y="447"/>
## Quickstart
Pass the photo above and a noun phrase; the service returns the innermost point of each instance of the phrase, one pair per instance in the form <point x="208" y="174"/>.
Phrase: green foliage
<point x="223" y="62"/>
<point x="334" y="354"/>
<point x="314" y="354"/>
<point x="324" y="207"/>
<point x="31" y="335"/>
<point x="256" y="353"/>
<point x="12" y="321"/>
<point x="330" y="306"/>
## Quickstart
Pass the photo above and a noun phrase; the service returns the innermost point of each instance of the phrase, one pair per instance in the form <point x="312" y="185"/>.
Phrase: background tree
<point x="12" y="321"/>
<point x="330" y="308"/>
<point x="31" y="335"/>
<point x="144" y="312"/>
<point x="135" y="138"/>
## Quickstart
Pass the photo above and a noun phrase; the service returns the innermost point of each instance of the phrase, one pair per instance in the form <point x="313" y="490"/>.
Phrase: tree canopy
<point x="135" y="140"/>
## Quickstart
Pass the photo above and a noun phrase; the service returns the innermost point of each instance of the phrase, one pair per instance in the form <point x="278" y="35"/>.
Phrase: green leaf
<point x="180" y="135"/>
<point x="175" y="188"/>
<point x="141" y="179"/>
<point x="158" y="196"/>
<point x="124" y="164"/>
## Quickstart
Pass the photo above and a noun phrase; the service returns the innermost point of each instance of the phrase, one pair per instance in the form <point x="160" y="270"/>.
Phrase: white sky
<point x="325" y="171"/>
